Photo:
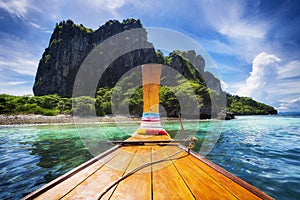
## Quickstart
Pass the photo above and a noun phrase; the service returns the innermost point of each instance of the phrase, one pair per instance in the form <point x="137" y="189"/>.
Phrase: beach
<point x="67" y="119"/>
<point x="34" y="119"/>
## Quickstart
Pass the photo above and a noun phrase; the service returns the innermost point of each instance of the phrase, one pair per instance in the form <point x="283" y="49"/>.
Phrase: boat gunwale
<point x="229" y="175"/>
<point x="69" y="174"/>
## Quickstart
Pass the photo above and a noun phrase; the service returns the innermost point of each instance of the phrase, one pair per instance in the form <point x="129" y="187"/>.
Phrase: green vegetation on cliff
<point x="248" y="106"/>
<point x="102" y="104"/>
<point x="44" y="105"/>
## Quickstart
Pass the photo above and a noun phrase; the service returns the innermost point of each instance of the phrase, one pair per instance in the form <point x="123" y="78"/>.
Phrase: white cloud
<point x="22" y="9"/>
<point x="273" y="84"/>
<point x="110" y="5"/>
<point x="13" y="83"/>
<point x="290" y="105"/>
<point x="90" y="13"/>
<point x="242" y="29"/>
<point x="224" y="85"/>
<point x="241" y="34"/>
<point x="244" y="34"/>
<point x="103" y="4"/>
<point x="227" y="18"/>
<point x="242" y="48"/>
<point x="264" y="72"/>
<point x="113" y="4"/>
<point x="20" y="65"/>
<point x="291" y="70"/>
<point x="18" y="8"/>
<point x="15" y="55"/>
<point x="20" y="89"/>
<point x="219" y="47"/>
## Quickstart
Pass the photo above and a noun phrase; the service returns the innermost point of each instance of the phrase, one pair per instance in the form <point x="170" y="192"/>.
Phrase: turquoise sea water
<point x="262" y="150"/>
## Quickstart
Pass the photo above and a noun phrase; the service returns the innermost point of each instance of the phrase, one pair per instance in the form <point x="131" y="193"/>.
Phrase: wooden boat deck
<point x="149" y="171"/>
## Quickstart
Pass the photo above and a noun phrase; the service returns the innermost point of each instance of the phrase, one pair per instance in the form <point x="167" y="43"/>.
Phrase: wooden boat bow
<point x="148" y="171"/>
<point x="149" y="165"/>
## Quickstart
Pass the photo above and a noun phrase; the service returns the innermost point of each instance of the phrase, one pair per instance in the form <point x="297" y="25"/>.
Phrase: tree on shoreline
<point x="53" y="104"/>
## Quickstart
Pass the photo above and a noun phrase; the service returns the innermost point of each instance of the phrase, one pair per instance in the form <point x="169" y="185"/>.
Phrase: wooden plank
<point x="97" y="183"/>
<point x="66" y="186"/>
<point x="68" y="175"/>
<point x="238" y="187"/>
<point x="202" y="185"/>
<point x="138" y="185"/>
<point x="166" y="181"/>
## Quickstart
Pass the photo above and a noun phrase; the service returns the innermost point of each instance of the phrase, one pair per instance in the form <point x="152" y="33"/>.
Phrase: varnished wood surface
<point x="173" y="174"/>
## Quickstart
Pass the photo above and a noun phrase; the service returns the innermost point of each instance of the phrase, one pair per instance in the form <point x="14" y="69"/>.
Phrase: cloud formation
<point x="18" y="65"/>
<point x="264" y="72"/>
<point x="291" y="70"/>
<point x="15" y="55"/>
<point x="14" y="83"/>
<point x="228" y="18"/>
<point x="271" y="81"/>
<point x="288" y="105"/>
<point x="19" y="8"/>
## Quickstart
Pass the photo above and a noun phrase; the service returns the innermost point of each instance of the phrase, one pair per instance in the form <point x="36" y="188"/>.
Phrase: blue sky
<point x="254" y="44"/>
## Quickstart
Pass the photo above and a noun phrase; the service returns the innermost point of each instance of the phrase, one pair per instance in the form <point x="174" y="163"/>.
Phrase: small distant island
<point x="71" y="43"/>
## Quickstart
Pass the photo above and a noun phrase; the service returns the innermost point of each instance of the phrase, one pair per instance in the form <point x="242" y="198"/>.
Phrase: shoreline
<point x="32" y="119"/>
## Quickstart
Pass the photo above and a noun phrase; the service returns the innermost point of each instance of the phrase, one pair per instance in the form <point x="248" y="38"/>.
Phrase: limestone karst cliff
<point x="106" y="54"/>
<point x="69" y="46"/>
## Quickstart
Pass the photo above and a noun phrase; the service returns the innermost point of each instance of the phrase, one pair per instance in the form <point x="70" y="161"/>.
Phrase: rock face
<point x="187" y="62"/>
<point x="69" y="46"/>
